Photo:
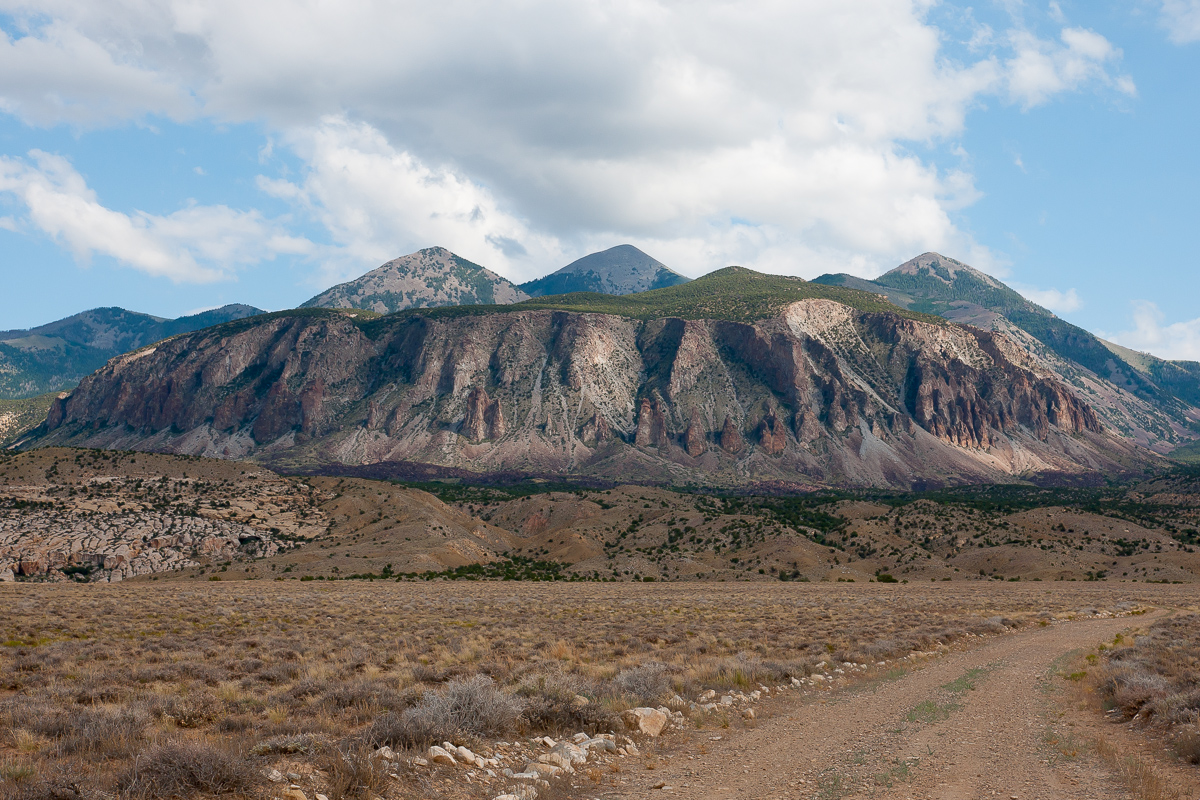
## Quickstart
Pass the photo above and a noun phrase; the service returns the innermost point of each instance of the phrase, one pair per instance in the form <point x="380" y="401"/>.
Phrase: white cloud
<point x="62" y="75"/>
<point x="1058" y="301"/>
<point x="1040" y="68"/>
<point x="378" y="203"/>
<point x="194" y="244"/>
<point x="523" y="132"/>
<point x="1177" y="340"/>
<point x="1181" y="18"/>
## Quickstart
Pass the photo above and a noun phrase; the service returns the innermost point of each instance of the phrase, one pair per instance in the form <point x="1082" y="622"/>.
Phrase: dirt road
<point x="976" y="724"/>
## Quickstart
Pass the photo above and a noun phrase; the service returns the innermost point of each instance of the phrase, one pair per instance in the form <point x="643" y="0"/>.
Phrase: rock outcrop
<point x="694" y="438"/>
<point x="828" y="393"/>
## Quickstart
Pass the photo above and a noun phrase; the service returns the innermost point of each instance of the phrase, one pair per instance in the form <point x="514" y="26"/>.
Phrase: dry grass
<point x="1156" y="681"/>
<point x="190" y="689"/>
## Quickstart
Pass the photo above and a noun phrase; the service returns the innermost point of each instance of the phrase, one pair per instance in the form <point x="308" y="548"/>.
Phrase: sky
<point x="173" y="156"/>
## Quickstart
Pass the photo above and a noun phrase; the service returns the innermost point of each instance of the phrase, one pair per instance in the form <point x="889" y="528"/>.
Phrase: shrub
<point x="58" y="785"/>
<point x="351" y="772"/>
<point x="645" y="684"/>
<point x="474" y="706"/>
<point x="181" y="769"/>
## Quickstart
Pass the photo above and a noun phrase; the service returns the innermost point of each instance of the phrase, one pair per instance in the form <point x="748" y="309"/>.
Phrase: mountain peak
<point x="943" y="268"/>
<point x="623" y="269"/>
<point x="427" y="278"/>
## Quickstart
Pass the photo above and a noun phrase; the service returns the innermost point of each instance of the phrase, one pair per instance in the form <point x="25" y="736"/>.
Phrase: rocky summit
<point x="425" y="279"/>
<point x="758" y="379"/>
<point x="623" y="269"/>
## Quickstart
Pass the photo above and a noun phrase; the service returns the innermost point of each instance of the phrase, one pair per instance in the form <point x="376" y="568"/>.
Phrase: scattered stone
<point x="710" y="694"/>
<point x="649" y="721"/>
<point x="439" y="755"/>
<point x="274" y="776"/>
<point x="419" y="762"/>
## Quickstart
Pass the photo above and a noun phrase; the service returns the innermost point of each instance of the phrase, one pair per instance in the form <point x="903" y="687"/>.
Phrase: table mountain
<point x="1147" y="399"/>
<point x="425" y="279"/>
<point x="618" y="270"/>
<point x="731" y="379"/>
<point x="55" y="356"/>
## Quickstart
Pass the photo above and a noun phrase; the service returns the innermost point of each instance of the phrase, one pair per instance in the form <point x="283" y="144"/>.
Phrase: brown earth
<point x="993" y="721"/>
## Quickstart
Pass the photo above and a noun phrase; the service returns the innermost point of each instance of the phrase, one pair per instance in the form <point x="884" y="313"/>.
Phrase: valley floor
<point x="937" y="690"/>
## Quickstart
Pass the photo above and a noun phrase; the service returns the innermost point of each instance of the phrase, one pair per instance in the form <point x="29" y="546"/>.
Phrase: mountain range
<point x="54" y="357"/>
<point x="932" y="374"/>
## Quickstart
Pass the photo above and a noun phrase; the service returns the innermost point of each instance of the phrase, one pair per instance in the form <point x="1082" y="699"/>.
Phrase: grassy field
<point x="200" y="688"/>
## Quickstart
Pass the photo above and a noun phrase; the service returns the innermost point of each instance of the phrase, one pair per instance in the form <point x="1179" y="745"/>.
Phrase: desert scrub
<point x="99" y="677"/>
<point x="182" y="769"/>
<point x="1155" y="680"/>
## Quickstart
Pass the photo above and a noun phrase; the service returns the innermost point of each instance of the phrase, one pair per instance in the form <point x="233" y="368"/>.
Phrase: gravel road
<point x="983" y="723"/>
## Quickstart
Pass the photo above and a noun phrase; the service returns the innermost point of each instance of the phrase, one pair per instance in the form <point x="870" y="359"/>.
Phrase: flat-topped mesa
<point x="817" y="392"/>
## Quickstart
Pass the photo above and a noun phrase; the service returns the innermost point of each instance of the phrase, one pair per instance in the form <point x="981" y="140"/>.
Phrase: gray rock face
<point x="424" y="279"/>
<point x="820" y="394"/>
<point x="118" y="535"/>
<point x="619" y="270"/>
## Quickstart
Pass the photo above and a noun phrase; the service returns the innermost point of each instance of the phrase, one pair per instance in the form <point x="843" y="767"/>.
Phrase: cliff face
<point x="819" y="394"/>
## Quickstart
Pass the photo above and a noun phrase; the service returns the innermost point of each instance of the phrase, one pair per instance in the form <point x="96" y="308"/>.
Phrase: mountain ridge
<point x="619" y="270"/>
<point x="1156" y="402"/>
<point x="57" y="355"/>
<point x="803" y="390"/>
<point x="428" y="278"/>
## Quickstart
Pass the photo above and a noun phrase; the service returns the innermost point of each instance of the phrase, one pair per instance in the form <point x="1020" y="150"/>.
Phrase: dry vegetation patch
<point x="1155" y="681"/>
<point x="173" y="690"/>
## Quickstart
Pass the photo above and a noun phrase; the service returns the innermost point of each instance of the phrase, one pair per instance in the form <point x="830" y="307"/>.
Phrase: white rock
<point x="631" y="748"/>
<point x="726" y="700"/>
<point x="709" y="695"/>
<point x="606" y="745"/>
<point x="649" y="721"/>
<point x="580" y="737"/>
<point x="439" y="755"/>
<point x="464" y="755"/>
<point x="543" y="770"/>
<point x="748" y="713"/>
<point x="419" y="762"/>
<point x="384" y="752"/>
<point x="274" y="776"/>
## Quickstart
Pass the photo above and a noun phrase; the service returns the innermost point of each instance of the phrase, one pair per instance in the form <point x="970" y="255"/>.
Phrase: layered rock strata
<point x="821" y="393"/>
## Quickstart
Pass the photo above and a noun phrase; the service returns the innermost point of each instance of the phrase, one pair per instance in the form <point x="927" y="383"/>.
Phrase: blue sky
<point x="170" y="157"/>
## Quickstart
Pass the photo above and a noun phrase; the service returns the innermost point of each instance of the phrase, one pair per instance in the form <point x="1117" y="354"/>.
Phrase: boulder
<point x="439" y="755"/>
<point x="649" y="721"/>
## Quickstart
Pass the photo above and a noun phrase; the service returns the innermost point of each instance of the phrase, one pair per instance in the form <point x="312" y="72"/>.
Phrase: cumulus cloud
<point x="1181" y="18"/>
<point x="771" y="133"/>
<point x="62" y="75"/>
<point x="1042" y="68"/>
<point x="194" y="244"/>
<point x="1176" y="340"/>
<point x="378" y="202"/>
<point x="1056" y="300"/>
